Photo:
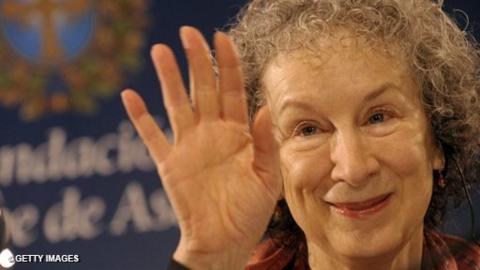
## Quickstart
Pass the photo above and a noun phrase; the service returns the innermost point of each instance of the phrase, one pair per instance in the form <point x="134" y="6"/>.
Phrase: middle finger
<point x="202" y="77"/>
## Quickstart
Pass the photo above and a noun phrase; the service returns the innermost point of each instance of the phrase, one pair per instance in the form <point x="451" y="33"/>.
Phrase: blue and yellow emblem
<point x="59" y="55"/>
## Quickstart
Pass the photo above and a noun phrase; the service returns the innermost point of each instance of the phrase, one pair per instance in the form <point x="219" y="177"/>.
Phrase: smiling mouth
<point x="361" y="209"/>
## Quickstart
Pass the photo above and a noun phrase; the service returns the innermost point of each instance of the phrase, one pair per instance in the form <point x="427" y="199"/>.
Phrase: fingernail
<point x="157" y="50"/>
<point x="133" y="108"/>
<point x="218" y="37"/>
<point x="183" y="37"/>
<point x="124" y="95"/>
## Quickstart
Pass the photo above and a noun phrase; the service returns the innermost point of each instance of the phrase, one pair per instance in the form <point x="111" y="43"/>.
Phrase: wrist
<point x="199" y="260"/>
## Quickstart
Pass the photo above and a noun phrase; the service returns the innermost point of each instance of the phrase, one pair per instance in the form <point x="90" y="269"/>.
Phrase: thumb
<point x="266" y="158"/>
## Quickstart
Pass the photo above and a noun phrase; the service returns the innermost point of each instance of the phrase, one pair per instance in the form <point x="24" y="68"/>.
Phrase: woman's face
<point x="355" y="146"/>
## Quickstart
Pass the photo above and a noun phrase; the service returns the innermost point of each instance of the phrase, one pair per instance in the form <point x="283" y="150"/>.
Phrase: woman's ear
<point x="438" y="162"/>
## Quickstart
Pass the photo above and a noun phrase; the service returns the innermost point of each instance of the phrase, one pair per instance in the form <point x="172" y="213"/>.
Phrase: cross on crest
<point x="22" y="12"/>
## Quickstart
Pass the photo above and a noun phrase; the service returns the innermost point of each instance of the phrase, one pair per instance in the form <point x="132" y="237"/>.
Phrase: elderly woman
<point x="366" y="122"/>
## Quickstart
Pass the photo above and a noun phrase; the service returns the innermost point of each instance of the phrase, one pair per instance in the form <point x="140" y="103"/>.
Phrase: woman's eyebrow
<point x="296" y="103"/>
<point x="380" y="90"/>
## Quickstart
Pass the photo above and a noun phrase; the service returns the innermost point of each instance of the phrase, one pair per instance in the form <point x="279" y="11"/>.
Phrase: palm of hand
<point x="221" y="195"/>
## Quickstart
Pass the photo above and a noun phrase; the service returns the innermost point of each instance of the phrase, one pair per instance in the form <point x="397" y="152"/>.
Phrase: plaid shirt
<point x="440" y="252"/>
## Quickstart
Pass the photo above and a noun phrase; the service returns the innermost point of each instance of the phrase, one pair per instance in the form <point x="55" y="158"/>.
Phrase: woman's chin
<point x="367" y="244"/>
<point x="358" y="248"/>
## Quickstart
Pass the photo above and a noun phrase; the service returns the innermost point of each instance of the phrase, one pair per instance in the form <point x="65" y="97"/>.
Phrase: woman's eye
<point x="305" y="130"/>
<point x="378" y="117"/>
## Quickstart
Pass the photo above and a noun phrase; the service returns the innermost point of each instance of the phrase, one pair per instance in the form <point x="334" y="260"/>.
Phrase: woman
<point x="366" y="118"/>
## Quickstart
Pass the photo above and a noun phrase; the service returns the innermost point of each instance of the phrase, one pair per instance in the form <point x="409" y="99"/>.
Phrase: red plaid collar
<point x="445" y="252"/>
<point x="440" y="252"/>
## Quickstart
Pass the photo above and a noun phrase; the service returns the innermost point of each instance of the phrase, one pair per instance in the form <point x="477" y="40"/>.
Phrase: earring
<point x="441" y="180"/>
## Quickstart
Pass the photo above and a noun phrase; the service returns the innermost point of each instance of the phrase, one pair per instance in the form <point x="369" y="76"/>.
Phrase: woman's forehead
<point x="349" y="68"/>
<point x="342" y="54"/>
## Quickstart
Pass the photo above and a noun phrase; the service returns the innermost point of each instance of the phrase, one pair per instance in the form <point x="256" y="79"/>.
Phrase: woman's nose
<point x="352" y="160"/>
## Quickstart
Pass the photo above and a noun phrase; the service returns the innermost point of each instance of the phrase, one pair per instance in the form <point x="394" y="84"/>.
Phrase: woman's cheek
<point x="304" y="170"/>
<point x="305" y="177"/>
<point x="406" y="152"/>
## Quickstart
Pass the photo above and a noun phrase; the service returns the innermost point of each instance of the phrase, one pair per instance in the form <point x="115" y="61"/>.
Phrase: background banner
<point x="74" y="176"/>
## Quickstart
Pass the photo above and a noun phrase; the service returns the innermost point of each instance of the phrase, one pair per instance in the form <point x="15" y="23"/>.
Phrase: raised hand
<point x="223" y="181"/>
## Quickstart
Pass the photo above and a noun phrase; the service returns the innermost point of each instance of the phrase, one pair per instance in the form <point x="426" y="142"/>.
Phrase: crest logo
<point x="59" y="55"/>
<point x="47" y="31"/>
